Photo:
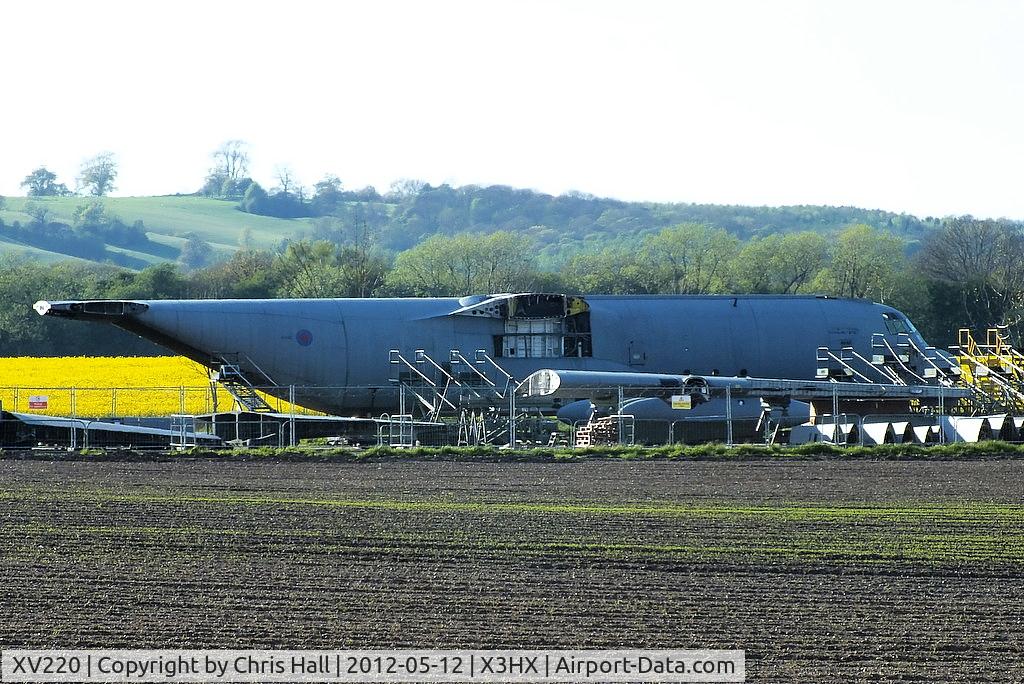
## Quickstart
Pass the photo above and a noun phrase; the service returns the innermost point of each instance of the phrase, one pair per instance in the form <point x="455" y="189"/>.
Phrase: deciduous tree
<point x="322" y="269"/>
<point x="779" y="264"/>
<point x="865" y="263"/>
<point x="613" y="270"/>
<point x="90" y="214"/>
<point x="465" y="264"/>
<point x="43" y="183"/>
<point x="285" y="179"/>
<point x="689" y="259"/>
<point x="39" y="212"/>
<point x="982" y="262"/>
<point x="327" y="195"/>
<point x="406" y="188"/>
<point x="231" y="159"/>
<point x="227" y="176"/>
<point x="97" y="174"/>
<point x="195" y="253"/>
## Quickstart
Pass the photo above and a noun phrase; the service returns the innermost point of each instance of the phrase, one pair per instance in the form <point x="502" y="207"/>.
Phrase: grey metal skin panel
<point x="265" y="331"/>
<point x="345" y="342"/>
<point x="653" y="409"/>
<point x="322" y="343"/>
<point x="759" y="335"/>
<point x="747" y="408"/>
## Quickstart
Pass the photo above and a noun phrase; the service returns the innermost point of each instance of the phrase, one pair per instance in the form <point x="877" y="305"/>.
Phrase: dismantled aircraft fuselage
<point x="336" y="352"/>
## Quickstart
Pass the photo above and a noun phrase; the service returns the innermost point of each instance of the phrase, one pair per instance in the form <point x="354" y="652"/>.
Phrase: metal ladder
<point x="888" y="364"/>
<point x="238" y="385"/>
<point x="995" y="370"/>
<point x="440" y="390"/>
<point x="472" y="428"/>
<point x="431" y="391"/>
<point x="183" y="431"/>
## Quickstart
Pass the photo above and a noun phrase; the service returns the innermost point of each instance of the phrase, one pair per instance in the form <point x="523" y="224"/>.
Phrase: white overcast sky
<point x="905" y="106"/>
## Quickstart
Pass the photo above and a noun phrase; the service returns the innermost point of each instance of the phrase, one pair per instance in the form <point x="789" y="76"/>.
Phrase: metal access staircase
<point x="448" y="389"/>
<point x="906" y="363"/>
<point x="445" y="389"/>
<point x="995" y="369"/>
<point x="231" y="377"/>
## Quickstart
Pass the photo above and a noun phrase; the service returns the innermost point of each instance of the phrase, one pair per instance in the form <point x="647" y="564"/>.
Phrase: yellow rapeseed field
<point x="111" y="386"/>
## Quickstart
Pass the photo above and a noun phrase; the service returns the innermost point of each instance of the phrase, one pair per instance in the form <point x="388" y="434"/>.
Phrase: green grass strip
<point x="955" y="451"/>
<point x="967" y="511"/>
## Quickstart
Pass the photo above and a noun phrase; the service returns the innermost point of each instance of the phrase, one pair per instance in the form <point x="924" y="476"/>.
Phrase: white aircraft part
<point x="880" y="432"/>
<point x="826" y="432"/>
<point x="1003" y="426"/>
<point x="963" y="428"/>
<point x="804" y="434"/>
<point x="996" y="422"/>
<point x="902" y="432"/>
<point x="926" y="434"/>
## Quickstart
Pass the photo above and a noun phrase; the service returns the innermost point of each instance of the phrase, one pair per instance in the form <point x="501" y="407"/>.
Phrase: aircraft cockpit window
<point x="894" y="324"/>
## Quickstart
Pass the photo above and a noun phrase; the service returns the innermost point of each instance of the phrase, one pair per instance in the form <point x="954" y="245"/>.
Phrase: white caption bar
<point x="97" y="665"/>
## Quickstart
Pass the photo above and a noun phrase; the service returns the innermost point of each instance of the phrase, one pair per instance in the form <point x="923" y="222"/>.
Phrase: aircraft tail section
<point x="107" y="309"/>
<point x="124" y="314"/>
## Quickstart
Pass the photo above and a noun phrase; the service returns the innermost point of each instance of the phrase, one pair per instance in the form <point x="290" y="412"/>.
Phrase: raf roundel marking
<point x="304" y="338"/>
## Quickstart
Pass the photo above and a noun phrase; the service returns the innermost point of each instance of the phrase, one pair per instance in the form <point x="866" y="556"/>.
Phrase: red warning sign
<point x="38" y="401"/>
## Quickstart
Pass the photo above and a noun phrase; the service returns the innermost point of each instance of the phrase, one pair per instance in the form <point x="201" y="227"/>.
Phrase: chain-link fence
<point x="141" y="401"/>
<point x="403" y="415"/>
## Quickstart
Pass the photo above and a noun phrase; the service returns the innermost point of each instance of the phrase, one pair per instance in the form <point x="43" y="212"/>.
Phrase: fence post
<point x="291" y="415"/>
<point x="511" y="418"/>
<point x="618" y="411"/>
<point x="836" y="431"/>
<point x="728" y="415"/>
<point x="942" y="412"/>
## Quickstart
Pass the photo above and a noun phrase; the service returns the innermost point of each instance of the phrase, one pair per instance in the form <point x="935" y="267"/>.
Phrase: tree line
<point x="411" y="211"/>
<point x="91" y="230"/>
<point x="96" y="177"/>
<point x="969" y="272"/>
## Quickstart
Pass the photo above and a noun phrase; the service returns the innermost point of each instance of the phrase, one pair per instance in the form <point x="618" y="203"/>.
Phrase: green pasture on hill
<point x="45" y="256"/>
<point x="219" y="222"/>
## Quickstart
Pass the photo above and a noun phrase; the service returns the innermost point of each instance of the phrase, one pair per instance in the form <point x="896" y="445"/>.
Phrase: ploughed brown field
<point x="823" y="571"/>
